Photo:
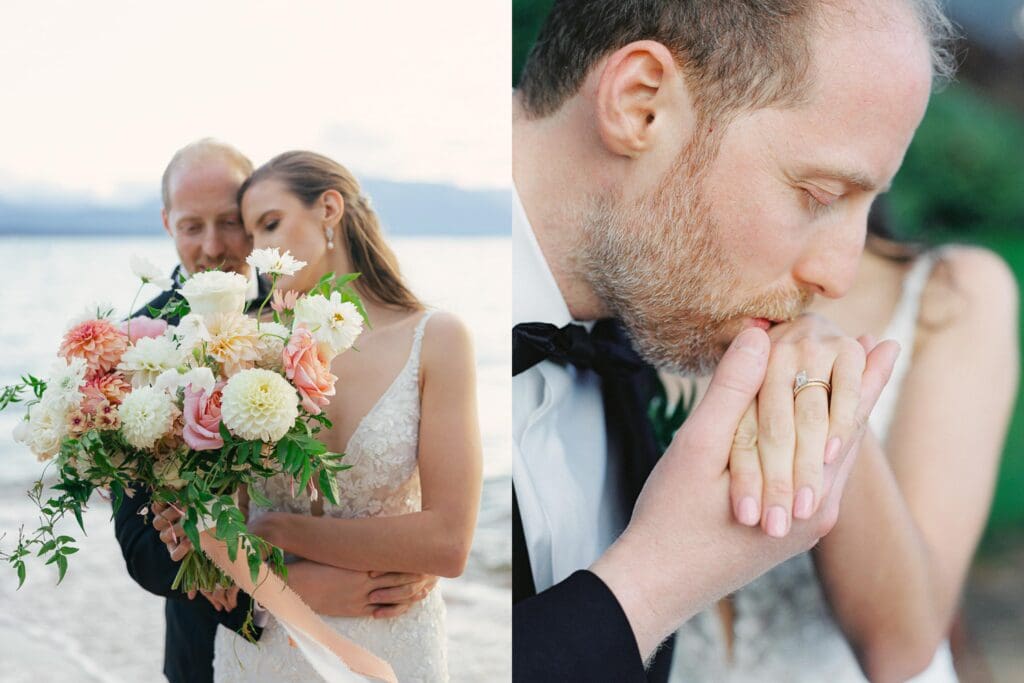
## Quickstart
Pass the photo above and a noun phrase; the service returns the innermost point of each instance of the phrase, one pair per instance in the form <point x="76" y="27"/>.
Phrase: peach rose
<point x="202" y="419"/>
<point x="309" y="370"/>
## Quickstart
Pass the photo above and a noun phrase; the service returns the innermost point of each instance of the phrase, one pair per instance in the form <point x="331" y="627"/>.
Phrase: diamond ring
<point x="802" y="382"/>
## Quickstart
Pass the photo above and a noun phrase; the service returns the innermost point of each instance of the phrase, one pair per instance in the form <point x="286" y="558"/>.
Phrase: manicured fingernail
<point x="832" y="449"/>
<point x="804" y="503"/>
<point x="778" y="521"/>
<point x="748" y="512"/>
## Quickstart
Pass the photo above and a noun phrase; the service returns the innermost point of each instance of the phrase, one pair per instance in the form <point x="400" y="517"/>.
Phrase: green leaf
<point x="253" y="559"/>
<point x="62" y="567"/>
<point x="69" y="550"/>
<point x="328" y="485"/>
<point x="21" y="573"/>
<point x="257" y="497"/>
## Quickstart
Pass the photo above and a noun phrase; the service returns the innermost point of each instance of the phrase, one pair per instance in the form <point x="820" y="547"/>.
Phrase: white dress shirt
<point x="566" y="484"/>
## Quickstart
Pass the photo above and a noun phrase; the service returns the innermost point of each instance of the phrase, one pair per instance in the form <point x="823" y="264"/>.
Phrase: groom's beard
<point x="659" y="267"/>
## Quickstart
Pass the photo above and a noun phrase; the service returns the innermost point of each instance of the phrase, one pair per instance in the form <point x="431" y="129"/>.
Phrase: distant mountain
<point x="404" y="209"/>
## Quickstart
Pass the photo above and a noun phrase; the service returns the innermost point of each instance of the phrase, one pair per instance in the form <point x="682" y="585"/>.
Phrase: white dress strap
<point x="903" y="328"/>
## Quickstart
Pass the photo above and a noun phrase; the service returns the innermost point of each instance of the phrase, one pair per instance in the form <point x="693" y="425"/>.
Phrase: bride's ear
<point x="333" y="205"/>
<point x="642" y="100"/>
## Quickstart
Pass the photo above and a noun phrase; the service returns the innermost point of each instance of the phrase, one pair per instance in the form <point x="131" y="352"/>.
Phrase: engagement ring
<point x="802" y="383"/>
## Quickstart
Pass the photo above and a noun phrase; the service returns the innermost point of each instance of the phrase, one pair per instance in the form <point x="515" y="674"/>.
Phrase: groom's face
<point x="746" y="228"/>
<point x="203" y="216"/>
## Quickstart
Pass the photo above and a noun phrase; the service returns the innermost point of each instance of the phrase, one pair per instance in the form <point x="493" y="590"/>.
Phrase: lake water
<point x="99" y="625"/>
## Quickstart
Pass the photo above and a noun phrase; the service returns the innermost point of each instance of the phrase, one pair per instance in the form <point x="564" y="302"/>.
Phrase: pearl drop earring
<point x="330" y="238"/>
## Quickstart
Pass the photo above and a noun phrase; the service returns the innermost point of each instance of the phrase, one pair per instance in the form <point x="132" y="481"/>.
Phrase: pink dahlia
<point x="111" y="388"/>
<point x="309" y="370"/>
<point x="99" y="342"/>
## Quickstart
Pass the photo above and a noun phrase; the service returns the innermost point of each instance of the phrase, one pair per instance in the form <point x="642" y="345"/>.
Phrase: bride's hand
<point x="221" y="598"/>
<point x="338" y="592"/>
<point x="783" y="441"/>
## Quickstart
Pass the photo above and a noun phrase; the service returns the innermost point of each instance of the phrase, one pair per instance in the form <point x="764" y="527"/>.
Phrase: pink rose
<point x="202" y="419"/>
<point x="144" y="327"/>
<point x="309" y="370"/>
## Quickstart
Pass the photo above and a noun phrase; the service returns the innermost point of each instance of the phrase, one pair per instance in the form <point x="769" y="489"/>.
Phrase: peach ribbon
<point x="334" y="657"/>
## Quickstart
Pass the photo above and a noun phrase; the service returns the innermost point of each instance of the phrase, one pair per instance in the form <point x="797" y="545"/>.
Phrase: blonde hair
<point x="205" y="148"/>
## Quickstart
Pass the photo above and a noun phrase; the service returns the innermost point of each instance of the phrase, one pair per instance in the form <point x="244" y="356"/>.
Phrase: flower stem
<point x="273" y="284"/>
<point x="131" y="309"/>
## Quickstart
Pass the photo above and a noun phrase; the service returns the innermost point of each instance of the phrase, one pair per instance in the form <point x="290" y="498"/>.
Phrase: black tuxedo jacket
<point x="576" y="630"/>
<point x="191" y="624"/>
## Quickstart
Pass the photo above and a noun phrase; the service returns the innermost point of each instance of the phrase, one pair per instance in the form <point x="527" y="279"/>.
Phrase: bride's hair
<point x="308" y="175"/>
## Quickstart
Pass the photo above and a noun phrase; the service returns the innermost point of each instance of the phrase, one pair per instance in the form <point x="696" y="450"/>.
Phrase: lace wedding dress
<point x="383" y="481"/>
<point x="783" y="627"/>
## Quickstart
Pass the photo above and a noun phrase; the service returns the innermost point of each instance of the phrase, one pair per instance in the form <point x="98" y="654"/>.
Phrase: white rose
<point x="47" y="429"/>
<point x="215" y="292"/>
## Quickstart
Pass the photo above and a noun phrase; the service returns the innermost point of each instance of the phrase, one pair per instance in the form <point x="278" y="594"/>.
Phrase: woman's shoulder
<point x="970" y="291"/>
<point x="446" y="340"/>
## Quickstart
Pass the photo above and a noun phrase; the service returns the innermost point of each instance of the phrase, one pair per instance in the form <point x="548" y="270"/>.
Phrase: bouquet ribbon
<point x="334" y="657"/>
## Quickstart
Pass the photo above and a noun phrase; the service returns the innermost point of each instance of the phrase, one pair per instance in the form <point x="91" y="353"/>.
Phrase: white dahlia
<point x="259" y="404"/>
<point x="215" y="291"/>
<point x="272" y="262"/>
<point x="146" y="415"/>
<point x="273" y="337"/>
<point x="148" y="358"/>
<point x="335" y="324"/>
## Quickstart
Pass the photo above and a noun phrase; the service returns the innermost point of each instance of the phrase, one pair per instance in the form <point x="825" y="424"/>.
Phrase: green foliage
<point x="963" y="174"/>
<point x="667" y="421"/>
<point x="527" y="18"/>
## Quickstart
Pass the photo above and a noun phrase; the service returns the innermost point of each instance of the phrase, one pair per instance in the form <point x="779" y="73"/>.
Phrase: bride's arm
<point x="894" y="565"/>
<point x="436" y="540"/>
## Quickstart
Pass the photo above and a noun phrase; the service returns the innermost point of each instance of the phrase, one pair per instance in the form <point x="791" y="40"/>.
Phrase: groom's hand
<point x="682" y="549"/>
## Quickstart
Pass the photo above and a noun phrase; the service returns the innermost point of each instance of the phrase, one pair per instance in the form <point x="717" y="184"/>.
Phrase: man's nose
<point x="213" y="245"/>
<point x="829" y="265"/>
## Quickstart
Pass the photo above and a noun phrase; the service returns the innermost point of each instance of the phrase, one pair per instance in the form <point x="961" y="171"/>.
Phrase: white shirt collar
<point x="537" y="298"/>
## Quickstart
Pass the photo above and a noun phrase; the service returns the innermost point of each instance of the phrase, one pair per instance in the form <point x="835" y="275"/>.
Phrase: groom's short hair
<point x="738" y="54"/>
<point x="206" y="148"/>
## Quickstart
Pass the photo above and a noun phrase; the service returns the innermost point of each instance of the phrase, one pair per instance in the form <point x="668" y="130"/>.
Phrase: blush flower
<point x="141" y="327"/>
<point x="309" y="370"/>
<point x="109" y="388"/>
<point x="284" y="301"/>
<point x="98" y="342"/>
<point x="234" y="341"/>
<point x="202" y="418"/>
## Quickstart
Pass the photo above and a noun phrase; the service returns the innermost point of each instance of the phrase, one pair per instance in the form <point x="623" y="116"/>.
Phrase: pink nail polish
<point x="832" y="449"/>
<point x="749" y="513"/>
<point x="778" y="521"/>
<point x="803" y="506"/>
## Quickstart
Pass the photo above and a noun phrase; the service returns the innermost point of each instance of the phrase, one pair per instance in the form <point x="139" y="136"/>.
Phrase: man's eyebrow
<point x="862" y="181"/>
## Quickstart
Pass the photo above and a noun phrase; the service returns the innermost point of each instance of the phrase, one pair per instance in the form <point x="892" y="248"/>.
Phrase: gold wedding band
<point x="802" y="382"/>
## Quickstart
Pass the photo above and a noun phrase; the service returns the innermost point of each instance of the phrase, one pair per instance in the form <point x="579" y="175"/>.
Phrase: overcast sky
<point x="97" y="96"/>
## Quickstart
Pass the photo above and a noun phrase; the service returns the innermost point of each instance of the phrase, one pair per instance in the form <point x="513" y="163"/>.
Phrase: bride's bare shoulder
<point x="447" y="345"/>
<point x="972" y="294"/>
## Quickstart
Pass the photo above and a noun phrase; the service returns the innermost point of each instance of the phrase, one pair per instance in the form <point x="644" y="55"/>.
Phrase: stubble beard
<point x="658" y="265"/>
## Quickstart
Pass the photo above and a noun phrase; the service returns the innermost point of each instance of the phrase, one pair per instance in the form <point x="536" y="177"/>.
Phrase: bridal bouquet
<point x="192" y="412"/>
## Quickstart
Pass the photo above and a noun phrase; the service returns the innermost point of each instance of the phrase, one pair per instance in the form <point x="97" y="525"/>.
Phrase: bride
<point x="404" y="414"/>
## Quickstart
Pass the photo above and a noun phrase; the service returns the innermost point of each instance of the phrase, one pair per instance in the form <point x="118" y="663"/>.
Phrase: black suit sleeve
<point x="574" y="631"/>
<point x="149" y="564"/>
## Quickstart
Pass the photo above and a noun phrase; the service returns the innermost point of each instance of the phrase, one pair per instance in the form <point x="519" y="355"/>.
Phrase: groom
<point x="697" y="171"/>
<point x="200" y="213"/>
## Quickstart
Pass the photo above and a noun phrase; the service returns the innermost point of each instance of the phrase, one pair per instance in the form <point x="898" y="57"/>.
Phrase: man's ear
<point x="641" y="99"/>
<point x="333" y="206"/>
<point x="167" y="222"/>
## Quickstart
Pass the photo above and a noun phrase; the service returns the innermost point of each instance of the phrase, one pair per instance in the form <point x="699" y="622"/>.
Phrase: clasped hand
<point x="331" y="591"/>
<point x="785" y="438"/>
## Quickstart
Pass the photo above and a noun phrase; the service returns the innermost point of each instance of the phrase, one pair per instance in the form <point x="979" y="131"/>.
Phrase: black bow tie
<point x="605" y="349"/>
